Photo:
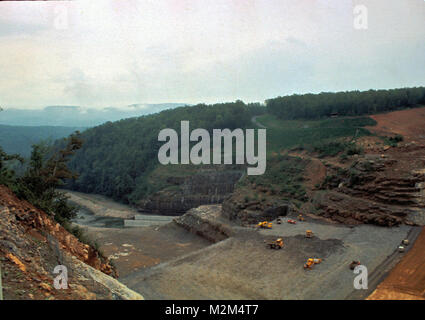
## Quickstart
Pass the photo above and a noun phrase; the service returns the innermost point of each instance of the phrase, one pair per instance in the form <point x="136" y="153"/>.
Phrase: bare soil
<point x="408" y="123"/>
<point x="135" y="249"/>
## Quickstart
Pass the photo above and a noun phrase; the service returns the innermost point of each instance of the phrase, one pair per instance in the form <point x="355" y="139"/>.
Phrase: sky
<point x="104" y="53"/>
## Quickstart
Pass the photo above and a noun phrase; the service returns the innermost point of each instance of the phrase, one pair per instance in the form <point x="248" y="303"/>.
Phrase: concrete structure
<point x="142" y="220"/>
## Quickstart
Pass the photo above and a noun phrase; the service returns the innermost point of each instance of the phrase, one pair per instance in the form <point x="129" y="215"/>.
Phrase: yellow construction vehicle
<point x="264" y="225"/>
<point x="309" y="234"/>
<point x="275" y="244"/>
<point x="311" y="262"/>
<point x="301" y="217"/>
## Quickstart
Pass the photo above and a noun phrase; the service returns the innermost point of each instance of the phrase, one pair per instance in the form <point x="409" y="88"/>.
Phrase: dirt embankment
<point x="206" y="221"/>
<point x="32" y="245"/>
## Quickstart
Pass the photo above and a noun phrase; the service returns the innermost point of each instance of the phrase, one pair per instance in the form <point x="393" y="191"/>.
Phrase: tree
<point x="45" y="174"/>
<point x="7" y="176"/>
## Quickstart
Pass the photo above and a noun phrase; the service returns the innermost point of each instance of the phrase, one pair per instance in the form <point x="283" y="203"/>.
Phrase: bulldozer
<point x="308" y="234"/>
<point x="275" y="244"/>
<point x="311" y="262"/>
<point x="264" y="225"/>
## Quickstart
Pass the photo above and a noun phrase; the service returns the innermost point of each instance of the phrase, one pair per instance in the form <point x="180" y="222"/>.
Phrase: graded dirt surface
<point x="408" y="123"/>
<point x="242" y="267"/>
<point x="134" y="249"/>
<point x="407" y="280"/>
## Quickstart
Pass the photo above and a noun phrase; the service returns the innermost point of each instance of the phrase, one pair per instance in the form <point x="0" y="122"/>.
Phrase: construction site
<point x="291" y="255"/>
<point x="240" y="250"/>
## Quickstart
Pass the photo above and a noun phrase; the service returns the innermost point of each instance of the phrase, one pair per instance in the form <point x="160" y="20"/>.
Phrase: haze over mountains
<point x="75" y="116"/>
<point x="20" y="129"/>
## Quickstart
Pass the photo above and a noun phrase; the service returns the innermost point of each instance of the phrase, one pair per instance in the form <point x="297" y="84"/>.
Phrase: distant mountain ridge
<point x="75" y="116"/>
<point x="19" y="139"/>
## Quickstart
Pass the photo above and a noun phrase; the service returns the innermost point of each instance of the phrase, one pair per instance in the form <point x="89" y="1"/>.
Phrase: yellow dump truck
<point x="275" y="244"/>
<point x="264" y="225"/>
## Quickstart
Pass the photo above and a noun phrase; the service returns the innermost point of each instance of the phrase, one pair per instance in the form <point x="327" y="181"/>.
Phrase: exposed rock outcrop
<point x="208" y="186"/>
<point x="383" y="189"/>
<point x="253" y="211"/>
<point x="32" y="244"/>
<point x="207" y="222"/>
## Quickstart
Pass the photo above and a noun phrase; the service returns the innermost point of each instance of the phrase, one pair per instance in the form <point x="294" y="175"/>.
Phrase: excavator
<point x="308" y="234"/>
<point x="264" y="225"/>
<point x="311" y="262"/>
<point x="275" y="244"/>
<point x="301" y="217"/>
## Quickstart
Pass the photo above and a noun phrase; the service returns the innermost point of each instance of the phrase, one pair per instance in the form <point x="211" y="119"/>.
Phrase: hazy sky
<point x="113" y="53"/>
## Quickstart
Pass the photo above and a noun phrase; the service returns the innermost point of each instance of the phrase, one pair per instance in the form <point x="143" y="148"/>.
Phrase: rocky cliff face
<point x="208" y="186"/>
<point x="385" y="189"/>
<point x="32" y="244"/>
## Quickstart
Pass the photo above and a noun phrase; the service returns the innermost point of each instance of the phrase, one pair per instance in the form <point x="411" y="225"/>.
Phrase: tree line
<point x="351" y="103"/>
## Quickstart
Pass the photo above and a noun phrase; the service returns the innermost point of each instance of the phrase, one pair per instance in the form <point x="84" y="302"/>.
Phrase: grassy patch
<point x="284" y="134"/>
<point x="284" y="177"/>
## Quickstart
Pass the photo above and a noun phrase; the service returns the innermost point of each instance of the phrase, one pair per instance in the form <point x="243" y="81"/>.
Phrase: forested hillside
<point x="353" y="103"/>
<point x="116" y="158"/>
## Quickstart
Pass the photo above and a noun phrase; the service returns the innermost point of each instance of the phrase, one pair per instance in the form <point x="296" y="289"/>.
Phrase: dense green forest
<point x="353" y="103"/>
<point x="116" y="158"/>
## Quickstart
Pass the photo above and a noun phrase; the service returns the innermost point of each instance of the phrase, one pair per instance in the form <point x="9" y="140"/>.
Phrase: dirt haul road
<point x="407" y="280"/>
